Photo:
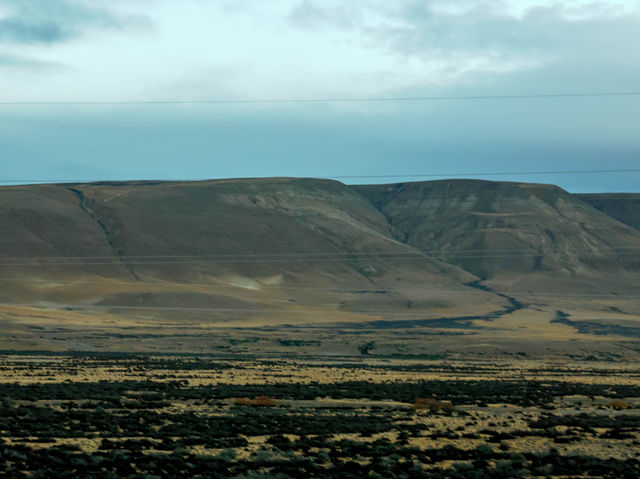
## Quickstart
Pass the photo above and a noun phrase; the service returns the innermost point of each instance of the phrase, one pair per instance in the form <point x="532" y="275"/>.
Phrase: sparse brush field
<point x="151" y="416"/>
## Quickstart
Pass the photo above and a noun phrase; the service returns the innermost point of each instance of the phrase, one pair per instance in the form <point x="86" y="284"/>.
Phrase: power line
<point x="503" y="173"/>
<point x="324" y="100"/>
<point x="342" y="177"/>
<point x="85" y="307"/>
<point x="117" y="262"/>
<point x="353" y="290"/>
<point x="347" y="255"/>
<point x="607" y="196"/>
<point x="231" y="310"/>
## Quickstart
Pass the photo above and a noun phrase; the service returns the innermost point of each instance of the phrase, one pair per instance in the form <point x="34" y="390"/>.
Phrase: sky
<point x="163" y="50"/>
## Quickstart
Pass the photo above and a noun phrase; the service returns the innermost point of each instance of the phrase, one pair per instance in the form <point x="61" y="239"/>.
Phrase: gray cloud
<point x="54" y="21"/>
<point x="555" y="31"/>
<point x="18" y="31"/>
<point x="464" y="44"/>
<point x="486" y="48"/>
<point x="552" y="28"/>
<point x="309" y="15"/>
<point x="13" y="62"/>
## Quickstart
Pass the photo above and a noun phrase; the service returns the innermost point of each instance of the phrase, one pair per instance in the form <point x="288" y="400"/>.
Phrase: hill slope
<point x="498" y="229"/>
<point x="231" y="246"/>
<point x="625" y="207"/>
<point x="232" y="250"/>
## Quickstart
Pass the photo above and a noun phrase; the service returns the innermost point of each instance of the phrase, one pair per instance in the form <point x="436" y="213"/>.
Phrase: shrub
<point x="227" y="455"/>
<point x="433" y="404"/>
<point x="258" y="401"/>
<point x="365" y="348"/>
<point x="618" y="404"/>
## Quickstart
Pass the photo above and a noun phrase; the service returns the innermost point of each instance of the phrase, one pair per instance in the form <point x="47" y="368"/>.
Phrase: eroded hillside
<point x="456" y="257"/>
<point x="499" y="230"/>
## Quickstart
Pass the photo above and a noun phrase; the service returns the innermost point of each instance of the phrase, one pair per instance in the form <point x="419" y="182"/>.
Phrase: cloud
<point x="444" y="45"/>
<point x="309" y="15"/>
<point x="18" y="31"/>
<point x="14" y="62"/>
<point x="420" y="27"/>
<point x="474" y="39"/>
<point x="55" y="21"/>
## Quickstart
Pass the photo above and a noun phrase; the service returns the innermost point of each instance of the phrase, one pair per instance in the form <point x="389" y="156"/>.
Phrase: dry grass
<point x="465" y="428"/>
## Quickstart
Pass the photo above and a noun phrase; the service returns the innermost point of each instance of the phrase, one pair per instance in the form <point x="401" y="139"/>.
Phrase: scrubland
<point x="144" y="415"/>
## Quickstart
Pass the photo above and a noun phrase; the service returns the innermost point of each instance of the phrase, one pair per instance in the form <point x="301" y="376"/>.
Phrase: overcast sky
<point x="138" y="50"/>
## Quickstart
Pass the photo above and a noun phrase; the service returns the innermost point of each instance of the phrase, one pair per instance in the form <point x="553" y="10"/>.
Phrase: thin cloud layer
<point x="446" y="44"/>
<point x="55" y="21"/>
<point x="309" y="48"/>
<point x="543" y="30"/>
<point x="11" y="62"/>
<point x="311" y="15"/>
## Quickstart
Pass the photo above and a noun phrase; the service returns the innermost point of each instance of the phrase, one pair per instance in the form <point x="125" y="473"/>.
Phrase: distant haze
<point x="75" y="50"/>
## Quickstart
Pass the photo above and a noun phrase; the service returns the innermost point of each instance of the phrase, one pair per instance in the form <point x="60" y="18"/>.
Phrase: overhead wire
<point x="323" y="254"/>
<point x="303" y="260"/>
<point x="501" y="173"/>
<point x="451" y="175"/>
<point x="267" y="288"/>
<point x="245" y="310"/>
<point x="231" y="310"/>
<point x="241" y="101"/>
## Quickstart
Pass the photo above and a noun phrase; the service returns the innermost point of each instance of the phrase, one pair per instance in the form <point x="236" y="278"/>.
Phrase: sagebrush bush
<point x="433" y="404"/>
<point x="259" y="401"/>
<point x="618" y="404"/>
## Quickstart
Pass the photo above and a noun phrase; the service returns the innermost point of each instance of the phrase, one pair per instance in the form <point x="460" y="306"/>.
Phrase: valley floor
<point x="535" y="332"/>
<point x="306" y="415"/>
